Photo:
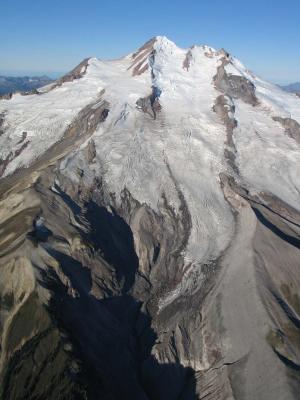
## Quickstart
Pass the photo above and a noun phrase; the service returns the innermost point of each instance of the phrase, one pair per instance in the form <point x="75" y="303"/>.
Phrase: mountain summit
<point x="150" y="232"/>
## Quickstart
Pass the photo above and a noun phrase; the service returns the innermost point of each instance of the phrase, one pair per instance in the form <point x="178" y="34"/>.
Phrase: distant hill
<point x="10" y="84"/>
<point x="292" y="87"/>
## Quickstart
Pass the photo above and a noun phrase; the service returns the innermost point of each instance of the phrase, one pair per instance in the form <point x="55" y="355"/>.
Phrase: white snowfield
<point x="182" y="149"/>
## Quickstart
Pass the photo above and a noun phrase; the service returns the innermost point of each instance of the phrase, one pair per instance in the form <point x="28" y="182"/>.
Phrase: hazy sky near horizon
<point x="51" y="36"/>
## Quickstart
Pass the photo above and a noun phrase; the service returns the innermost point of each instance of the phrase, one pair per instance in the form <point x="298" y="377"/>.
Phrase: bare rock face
<point x="187" y="61"/>
<point x="225" y="109"/>
<point x="139" y="63"/>
<point x="2" y="119"/>
<point x="237" y="87"/>
<point x="292" y="127"/>
<point x="150" y="104"/>
<point x="76" y="73"/>
<point x="150" y="246"/>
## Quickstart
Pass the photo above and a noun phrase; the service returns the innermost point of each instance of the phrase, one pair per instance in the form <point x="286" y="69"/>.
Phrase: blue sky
<point x="53" y="36"/>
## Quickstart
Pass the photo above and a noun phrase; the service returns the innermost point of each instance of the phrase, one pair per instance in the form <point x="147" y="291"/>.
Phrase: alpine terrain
<point x="150" y="232"/>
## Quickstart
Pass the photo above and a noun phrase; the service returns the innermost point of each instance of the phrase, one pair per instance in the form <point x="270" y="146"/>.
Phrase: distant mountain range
<point x="292" y="87"/>
<point x="10" y="84"/>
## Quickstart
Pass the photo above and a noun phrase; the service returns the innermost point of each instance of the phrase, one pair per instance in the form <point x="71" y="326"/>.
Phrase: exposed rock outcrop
<point x="237" y="87"/>
<point x="224" y="107"/>
<point x="76" y="73"/>
<point x="292" y="127"/>
<point x="140" y="58"/>
<point x="150" y="104"/>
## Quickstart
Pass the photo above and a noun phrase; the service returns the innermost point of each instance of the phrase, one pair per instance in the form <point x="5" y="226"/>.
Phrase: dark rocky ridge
<point x="292" y="128"/>
<point x="234" y="86"/>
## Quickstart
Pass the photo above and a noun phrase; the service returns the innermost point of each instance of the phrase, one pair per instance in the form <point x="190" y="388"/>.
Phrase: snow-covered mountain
<point x="292" y="87"/>
<point x="11" y="84"/>
<point x="150" y="232"/>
